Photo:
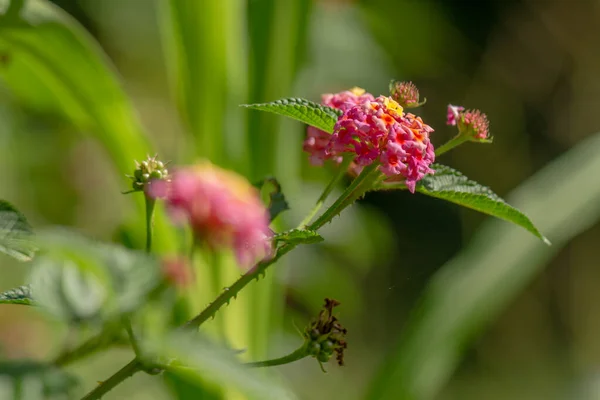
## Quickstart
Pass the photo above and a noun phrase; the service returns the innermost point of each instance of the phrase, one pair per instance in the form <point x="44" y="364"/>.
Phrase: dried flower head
<point x="223" y="209"/>
<point x="379" y="131"/>
<point x="326" y="335"/>
<point x="405" y="93"/>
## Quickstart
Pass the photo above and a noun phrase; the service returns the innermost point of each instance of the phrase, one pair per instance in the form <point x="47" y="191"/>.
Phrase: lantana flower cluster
<point x="222" y="208"/>
<point x="376" y="130"/>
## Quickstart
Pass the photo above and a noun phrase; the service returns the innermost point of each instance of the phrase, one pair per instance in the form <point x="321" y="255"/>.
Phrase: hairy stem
<point x="343" y="169"/>
<point x="450" y="144"/>
<point x="106" y="386"/>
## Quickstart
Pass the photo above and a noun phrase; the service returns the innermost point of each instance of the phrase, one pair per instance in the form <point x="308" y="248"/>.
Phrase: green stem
<point x="233" y="290"/>
<point x="449" y="145"/>
<point x="359" y="186"/>
<point x="298" y="354"/>
<point x="91" y="346"/>
<point x="106" y="386"/>
<point x="150" y="202"/>
<point x="132" y="338"/>
<point x="343" y="169"/>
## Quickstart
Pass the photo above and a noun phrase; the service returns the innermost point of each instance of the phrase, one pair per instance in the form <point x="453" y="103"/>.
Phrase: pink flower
<point x="453" y="112"/>
<point x="378" y="131"/>
<point x="475" y="124"/>
<point x="223" y="209"/>
<point x="316" y="139"/>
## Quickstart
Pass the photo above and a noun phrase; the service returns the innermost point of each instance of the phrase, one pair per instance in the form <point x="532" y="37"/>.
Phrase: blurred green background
<point x="440" y="303"/>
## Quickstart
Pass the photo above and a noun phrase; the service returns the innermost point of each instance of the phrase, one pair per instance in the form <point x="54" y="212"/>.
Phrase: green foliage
<point x="305" y="111"/>
<point x="299" y="236"/>
<point x="78" y="279"/>
<point x="451" y="185"/>
<point x="34" y="380"/>
<point x="474" y="287"/>
<point x="15" y="233"/>
<point x="277" y="201"/>
<point x="55" y="65"/>
<point x="20" y="295"/>
<point x="199" y="360"/>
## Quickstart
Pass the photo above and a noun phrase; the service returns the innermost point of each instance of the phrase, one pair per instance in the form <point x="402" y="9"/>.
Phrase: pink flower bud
<point x="405" y="93"/>
<point x="475" y="125"/>
<point x="177" y="271"/>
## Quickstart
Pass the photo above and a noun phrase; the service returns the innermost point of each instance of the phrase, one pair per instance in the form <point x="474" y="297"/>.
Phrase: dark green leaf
<point x="15" y="233"/>
<point x="277" y="202"/>
<point x="299" y="236"/>
<point x="450" y="185"/>
<point x="310" y="113"/>
<point x="78" y="279"/>
<point x="20" y="295"/>
<point x="199" y="360"/>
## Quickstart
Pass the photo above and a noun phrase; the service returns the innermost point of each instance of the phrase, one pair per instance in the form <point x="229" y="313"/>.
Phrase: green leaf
<point x="34" y="380"/>
<point x="501" y="260"/>
<point x="299" y="236"/>
<point x="78" y="279"/>
<point x="450" y="185"/>
<point x="15" y="233"/>
<point x="306" y="111"/>
<point x="199" y="360"/>
<point x="20" y="295"/>
<point x="277" y="201"/>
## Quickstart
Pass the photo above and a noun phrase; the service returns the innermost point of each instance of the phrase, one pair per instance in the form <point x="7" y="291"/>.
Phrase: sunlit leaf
<point x="15" y="233"/>
<point x="306" y="111"/>
<point x="299" y="236"/>
<point x="451" y="185"/>
<point x="20" y="295"/>
<point x="199" y="360"/>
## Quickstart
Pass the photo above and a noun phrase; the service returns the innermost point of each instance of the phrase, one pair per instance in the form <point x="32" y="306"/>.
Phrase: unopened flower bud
<point x="406" y="94"/>
<point x="148" y="171"/>
<point x="474" y="125"/>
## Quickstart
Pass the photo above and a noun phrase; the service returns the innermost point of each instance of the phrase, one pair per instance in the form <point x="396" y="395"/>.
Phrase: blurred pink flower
<point x="316" y="139"/>
<point x="177" y="271"/>
<point x="223" y="209"/>
<point x="453" y="112"/>
<point x="378" y="131"/>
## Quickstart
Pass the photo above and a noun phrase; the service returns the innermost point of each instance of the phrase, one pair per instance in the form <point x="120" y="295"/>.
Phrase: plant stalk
<point x="450" y="144"/>
<point x="298" y="354"/>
